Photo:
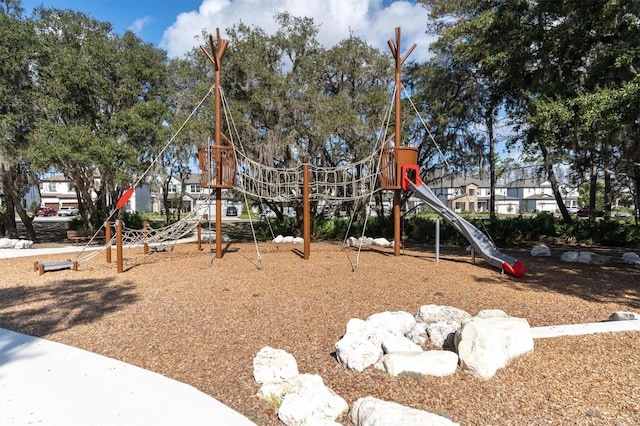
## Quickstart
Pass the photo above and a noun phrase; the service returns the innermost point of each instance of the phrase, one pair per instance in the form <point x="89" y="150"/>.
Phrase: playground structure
<point x="394" y="166"/>
<point x="225" y="165"/>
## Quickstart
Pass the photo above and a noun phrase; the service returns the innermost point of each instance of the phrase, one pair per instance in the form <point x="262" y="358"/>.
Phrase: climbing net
<point x="348" y="183"/>
<point x="167" y="235"/>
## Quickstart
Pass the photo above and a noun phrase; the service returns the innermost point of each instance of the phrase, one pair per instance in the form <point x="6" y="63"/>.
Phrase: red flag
<point x="124" y="198"/>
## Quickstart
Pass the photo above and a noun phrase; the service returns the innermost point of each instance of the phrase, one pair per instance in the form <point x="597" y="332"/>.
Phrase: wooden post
<point x="215" y="57"/>
<point x="199" y="236"/>
<point x="395" y="50"/>
<point x="107" y="240"/>
<point x="119" y="260"/>
<point x="145" y="233"/>
<point x="306" y="212"/>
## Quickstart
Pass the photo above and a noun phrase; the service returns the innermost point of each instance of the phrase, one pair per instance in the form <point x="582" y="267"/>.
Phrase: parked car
<point x="68" y="211"/>
<point x="585" y="212"/>
<point x="232" y="211"/>
<point x="46" y="211"/>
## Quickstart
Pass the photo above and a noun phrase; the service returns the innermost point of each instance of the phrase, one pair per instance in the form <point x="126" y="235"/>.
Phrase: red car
<point x="46" y="211"/>
<point x="584" y="212"/>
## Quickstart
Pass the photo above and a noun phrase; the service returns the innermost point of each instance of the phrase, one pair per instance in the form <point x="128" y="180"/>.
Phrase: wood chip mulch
<point x="202" y="320"/>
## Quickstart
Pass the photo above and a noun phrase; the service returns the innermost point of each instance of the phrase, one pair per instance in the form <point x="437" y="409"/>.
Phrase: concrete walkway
<point x="48" y="383"/>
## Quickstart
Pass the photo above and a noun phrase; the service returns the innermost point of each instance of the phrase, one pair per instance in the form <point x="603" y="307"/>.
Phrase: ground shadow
<point x="40" y="311"/>
<point x="614" y="282"/>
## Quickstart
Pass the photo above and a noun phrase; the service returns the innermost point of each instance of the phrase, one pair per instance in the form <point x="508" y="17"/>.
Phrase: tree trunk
<point x="593" y="188"/>
<point x="608" y="195"/>
<point x="492" y="168"/>
<point x="548" y="166"/>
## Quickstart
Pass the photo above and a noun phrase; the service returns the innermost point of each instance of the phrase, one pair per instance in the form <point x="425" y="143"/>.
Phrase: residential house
<point x="537" y="196"/>
<point x="472" y="195"/>
<point x="195" y="198"/>
<point x="56" y="191"/>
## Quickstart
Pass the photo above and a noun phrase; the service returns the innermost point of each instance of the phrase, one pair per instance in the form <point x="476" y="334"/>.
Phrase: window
<point x="195" y="188"/>
<point x="173" y="188"/>
<point x="52" y="187"/>
<point x="472" y="192"/>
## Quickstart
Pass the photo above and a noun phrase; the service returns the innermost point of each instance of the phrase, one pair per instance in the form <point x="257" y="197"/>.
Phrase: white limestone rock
<point x="540" y="250"/>
<point x="274" y="365"/>
<point x="430" y="363"/>
<point x="441" y="313"/>
<point x="278" y="239"/>
<point x="23" y="244"/>
<point x="7" y="243"/>
<point x="442" y="333"/>
<point x="365" y="241"/>
<point x="352" y="242"/>
<point x="288" y="239"/>
<point x="357" y="352"/>
<point x="623" y="316"/>
<point x="399" y="344"/>
<point x="274" y="392"/>
<point x="382" y="242"/>
<point x="397" y="323"/>
<point x="310" y="402"/>
<point x="418" y="333"/>
<point x="570" y="256"/>
<point x="370" y="411"/>
<point x="485" y="345"/>
<point x="631" y="258"/>
<point x="298" y="240"/>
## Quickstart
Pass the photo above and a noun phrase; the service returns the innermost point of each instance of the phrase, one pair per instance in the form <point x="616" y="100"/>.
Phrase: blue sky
<point x="174" y="24"/>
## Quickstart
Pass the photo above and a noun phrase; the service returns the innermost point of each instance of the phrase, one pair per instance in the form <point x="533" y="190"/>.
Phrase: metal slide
<point x="480" y="242"/>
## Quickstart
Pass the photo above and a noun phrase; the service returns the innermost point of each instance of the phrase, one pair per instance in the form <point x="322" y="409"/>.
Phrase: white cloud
<point x="138" y="25"/>
<point x="370" y="20"/>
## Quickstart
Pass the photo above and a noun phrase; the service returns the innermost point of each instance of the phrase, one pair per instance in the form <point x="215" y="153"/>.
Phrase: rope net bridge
<point x="347" y="183"/>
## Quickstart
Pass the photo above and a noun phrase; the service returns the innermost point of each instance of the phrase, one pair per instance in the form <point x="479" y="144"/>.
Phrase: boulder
<point x="485" y="345"/>
<point x="399" y="344"/>
<point x="623" y="316"/>
<point x="274" y="365"/>
<point x="357" y="352"/>
<point x="631" y="258"/>
<point x="429" y="363"/>
<point x="7" y="243"/>
<point x="370" y="411"/>
<point x="441" y="313"/>
<point x="278" y="239"/>
<point x="288" y="239"/>
<point x="442" y="333"/>
<point x="382" y="242"/>
<point x="298" y="240"/>
<point x="310" y="402"/>
<point x="418" y="333"/>
<point x="396" y="323"/>
<point x="570" y="256"/>
<point x="540" y="250"/>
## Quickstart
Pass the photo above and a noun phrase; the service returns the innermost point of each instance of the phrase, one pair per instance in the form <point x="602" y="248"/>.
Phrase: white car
<point x="68" y="211"/>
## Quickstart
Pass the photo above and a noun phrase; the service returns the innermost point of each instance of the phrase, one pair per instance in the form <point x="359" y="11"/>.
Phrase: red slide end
<point x="517" y="269"/>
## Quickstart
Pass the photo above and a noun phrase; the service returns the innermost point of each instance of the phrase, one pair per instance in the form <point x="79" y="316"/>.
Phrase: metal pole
<point x="306" y="209"/>
<point x="437" y="240"/>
